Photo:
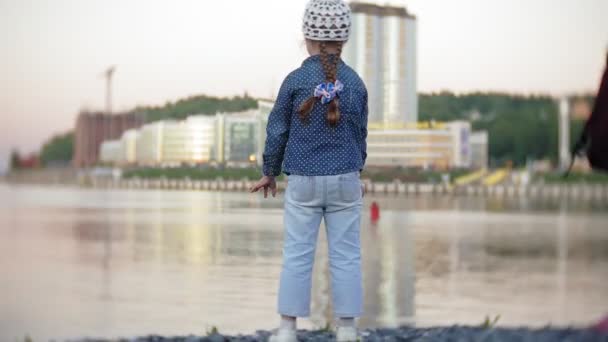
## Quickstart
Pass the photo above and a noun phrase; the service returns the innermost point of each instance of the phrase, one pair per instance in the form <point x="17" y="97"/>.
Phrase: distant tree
<point x="15" y="159"/>
<point x="201" y="104"/>
<point x="519" y="127"/>
<point x="58" y="150"/>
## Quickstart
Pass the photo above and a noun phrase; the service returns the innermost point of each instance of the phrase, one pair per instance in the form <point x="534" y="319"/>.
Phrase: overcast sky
<point x="52" y="52"/>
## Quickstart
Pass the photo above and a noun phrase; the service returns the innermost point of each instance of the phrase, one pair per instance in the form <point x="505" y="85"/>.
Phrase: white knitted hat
<point x="326" y="20"/>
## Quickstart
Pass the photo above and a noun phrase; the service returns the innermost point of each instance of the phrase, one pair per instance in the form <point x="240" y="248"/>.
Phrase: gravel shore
<point x="455" y="334"/>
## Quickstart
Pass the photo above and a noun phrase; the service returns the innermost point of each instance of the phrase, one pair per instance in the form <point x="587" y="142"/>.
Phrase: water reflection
<point x="123" y="263"/>
<point x="388" y="270"/>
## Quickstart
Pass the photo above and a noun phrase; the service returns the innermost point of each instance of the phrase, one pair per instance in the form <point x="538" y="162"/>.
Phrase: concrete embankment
<point x="576" y="191"/>
<point x="65" y="176"/>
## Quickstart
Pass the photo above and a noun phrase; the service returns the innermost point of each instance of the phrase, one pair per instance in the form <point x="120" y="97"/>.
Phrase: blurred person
<point x="597" y="127"/>
<point x="316" y="135"/>
<point x="594" y="138"/>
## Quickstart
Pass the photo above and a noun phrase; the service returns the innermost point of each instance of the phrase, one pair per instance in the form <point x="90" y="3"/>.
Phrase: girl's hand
<point x="267" y="182"/>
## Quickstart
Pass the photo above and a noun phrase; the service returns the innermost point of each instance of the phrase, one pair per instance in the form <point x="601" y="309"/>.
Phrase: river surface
<point x="108" y="263"/>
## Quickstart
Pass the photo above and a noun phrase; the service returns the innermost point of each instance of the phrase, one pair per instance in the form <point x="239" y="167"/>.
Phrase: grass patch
<point x="410" y="175"/>
<point x="575" y="177"/>
<point x="195" y="173"/>
<point x="253" y="173"/>
<point x="326" y="328"/>
<point x="489" y="323"/>
<point x="213" y="330"/>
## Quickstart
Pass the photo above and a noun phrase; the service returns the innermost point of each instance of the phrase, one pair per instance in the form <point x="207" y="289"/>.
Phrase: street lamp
<point x="108" y="75"/>
<point x="564" y="133"/>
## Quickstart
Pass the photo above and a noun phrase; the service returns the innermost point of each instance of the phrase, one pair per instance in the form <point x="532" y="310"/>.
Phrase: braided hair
<point x="330" y="68"/>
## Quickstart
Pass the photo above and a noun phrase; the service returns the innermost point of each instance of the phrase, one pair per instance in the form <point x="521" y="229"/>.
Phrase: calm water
<point x="77" y="262"/>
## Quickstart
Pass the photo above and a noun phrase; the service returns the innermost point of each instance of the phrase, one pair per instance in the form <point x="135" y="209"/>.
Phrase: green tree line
<point x="201" y="104"/>
<point x="59" y="149"/>
<point x="519" y="127"/>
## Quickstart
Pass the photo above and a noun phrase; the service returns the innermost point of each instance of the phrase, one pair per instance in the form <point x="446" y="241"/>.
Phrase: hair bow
<point x="328" y="91"/>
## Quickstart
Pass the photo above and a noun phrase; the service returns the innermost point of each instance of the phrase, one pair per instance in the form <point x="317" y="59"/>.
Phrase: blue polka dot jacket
<point x="315" y="148"/>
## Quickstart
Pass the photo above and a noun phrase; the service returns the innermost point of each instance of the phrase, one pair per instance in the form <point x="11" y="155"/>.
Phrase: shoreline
<point x="573" y="191"/>
<point x="451" y="333"/>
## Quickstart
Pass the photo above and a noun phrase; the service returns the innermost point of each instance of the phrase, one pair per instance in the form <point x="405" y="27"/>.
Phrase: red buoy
<point x="375" y="212"/>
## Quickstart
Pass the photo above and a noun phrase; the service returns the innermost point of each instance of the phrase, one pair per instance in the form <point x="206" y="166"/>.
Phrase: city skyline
<point x="54" y="53"/>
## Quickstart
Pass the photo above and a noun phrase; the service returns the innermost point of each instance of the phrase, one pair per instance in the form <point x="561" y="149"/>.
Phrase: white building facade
<point x="149" y="142"/>
<point x="382" y="49"/>
<point x="423" y="145"/>
<point x="188" y="141"/>
<point x="480" y="150"/>
<point x="110" y="152"/>
<point x="237" y="139"/>
<point x="232" y="139"/>
<point x="238" y="133"/>
<point x="128" y="143"/>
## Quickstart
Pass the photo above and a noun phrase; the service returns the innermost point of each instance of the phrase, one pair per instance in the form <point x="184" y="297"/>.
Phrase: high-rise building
<point x="382" y="49"/>
<point x="93" y="128"/>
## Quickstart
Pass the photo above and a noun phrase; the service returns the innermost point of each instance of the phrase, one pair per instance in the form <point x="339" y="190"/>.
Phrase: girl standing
<point x="316" y="135"/>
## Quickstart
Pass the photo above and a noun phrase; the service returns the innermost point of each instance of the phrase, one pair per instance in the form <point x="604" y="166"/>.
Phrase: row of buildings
<point x="238" y="139"/>
<point x="234" y="138"/>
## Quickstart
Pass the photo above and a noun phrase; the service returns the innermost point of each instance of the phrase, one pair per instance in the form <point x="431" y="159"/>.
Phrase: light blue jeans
<point x="338" y="200"/>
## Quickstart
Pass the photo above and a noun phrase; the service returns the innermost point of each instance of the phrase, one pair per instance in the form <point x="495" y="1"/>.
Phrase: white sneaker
<point x="283" y="335"/>
<point x="346" y="334"/>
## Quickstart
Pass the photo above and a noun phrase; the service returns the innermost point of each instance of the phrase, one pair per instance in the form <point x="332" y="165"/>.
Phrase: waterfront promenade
<point x="575" y="191"/>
